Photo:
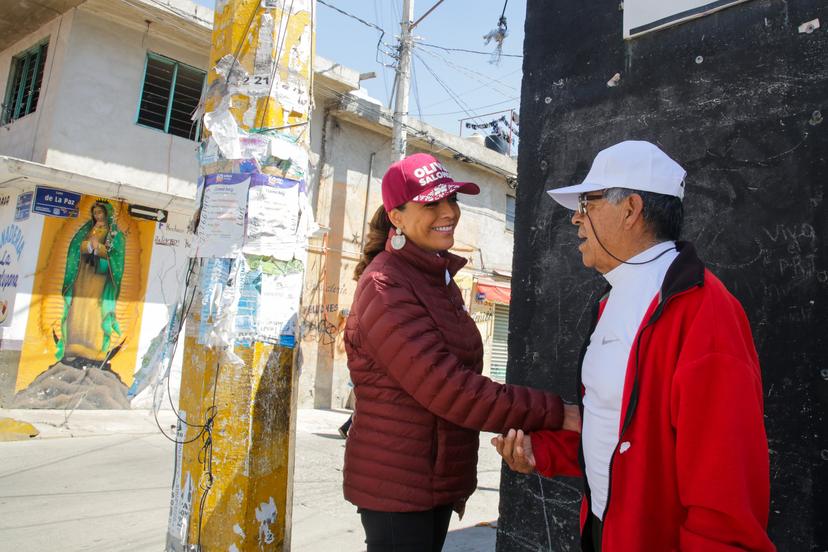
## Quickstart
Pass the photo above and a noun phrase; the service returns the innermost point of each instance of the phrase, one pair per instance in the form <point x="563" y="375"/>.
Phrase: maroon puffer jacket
<point x="415" y="358"/>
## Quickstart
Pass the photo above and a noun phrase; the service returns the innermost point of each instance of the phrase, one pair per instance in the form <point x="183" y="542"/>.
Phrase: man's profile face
<point x="605" y="219"/>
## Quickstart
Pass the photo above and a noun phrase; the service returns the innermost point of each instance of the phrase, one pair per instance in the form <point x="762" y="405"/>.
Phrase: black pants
<point x="406" y="531"/>
<point x="594" y="531"/>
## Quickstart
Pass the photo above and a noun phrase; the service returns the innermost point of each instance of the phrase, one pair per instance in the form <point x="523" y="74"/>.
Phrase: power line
<point x="366" y="23"/>
<point x="428" y="45"/>
<point x="448" y="90"/>
<point x="466" y="92"/>
<point x="473" y="109"/>
<point x="352" y="16"/>
<point x="474" y="75"/>
<point x="378" y="15"/>
<point x="423" y="135"/>
<point x="416" y="89"/>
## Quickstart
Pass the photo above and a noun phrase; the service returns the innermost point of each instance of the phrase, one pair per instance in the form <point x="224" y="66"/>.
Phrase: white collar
<point x="626" y="272"/>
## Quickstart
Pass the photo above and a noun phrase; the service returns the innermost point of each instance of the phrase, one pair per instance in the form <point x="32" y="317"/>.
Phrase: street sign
<point x="56" y="203"/>
<point x="148" y="213"/>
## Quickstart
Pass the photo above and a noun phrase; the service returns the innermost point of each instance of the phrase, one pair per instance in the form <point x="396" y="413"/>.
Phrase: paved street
<point x="103" y="484"/>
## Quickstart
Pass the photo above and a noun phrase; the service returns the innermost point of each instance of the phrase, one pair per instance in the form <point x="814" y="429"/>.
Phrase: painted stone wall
<point x="738" y="98"/>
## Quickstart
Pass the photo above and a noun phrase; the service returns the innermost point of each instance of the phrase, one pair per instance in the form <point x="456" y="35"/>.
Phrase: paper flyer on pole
<point x="221" y="226"/>
<point x="279" y="306"/>
<point x="273" y="217"/>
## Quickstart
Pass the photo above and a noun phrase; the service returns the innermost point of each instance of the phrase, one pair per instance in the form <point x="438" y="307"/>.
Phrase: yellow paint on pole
<point x="233" y="479"/>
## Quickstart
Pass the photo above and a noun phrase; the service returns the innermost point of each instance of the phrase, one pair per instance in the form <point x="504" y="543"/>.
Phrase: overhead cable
<point x="366" y="23"/>
<point x="447" y="49"/>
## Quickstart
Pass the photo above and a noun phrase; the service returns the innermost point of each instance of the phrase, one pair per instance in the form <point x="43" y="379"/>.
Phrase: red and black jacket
<point x="690" y="471"/>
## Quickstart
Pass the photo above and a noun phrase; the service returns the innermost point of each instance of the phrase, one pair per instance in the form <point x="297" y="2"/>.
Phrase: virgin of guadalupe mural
<point x="84" y="325"/>
<point x="91" y="286"/>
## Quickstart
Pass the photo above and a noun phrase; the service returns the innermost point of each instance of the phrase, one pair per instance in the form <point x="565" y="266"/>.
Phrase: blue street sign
<point x="56" y="203"/>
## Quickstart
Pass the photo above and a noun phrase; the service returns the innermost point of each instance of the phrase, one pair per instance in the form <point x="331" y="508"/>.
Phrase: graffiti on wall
<point x="325" y="309"/>
<point x="87" y="301"/>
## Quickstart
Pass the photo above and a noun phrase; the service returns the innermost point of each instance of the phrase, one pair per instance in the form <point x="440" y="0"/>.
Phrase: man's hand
<point x="572" y="418"/>
<point x="516" y="449"/>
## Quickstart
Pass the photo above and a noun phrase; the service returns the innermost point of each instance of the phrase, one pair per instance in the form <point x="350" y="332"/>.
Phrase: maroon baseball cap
<point x="422" y="179"/>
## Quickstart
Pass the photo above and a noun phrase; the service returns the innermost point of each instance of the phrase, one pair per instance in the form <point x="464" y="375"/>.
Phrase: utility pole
<point x="403" y="81"/>
<point x="233" y="480"/>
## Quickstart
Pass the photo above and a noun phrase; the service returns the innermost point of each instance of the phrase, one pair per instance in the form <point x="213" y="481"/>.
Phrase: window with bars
<point x="510" y="213"/>
<point x="25" y="78"/>
<point x="169" y="97"/>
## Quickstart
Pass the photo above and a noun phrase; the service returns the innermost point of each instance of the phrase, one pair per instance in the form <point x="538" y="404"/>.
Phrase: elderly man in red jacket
<point x="673" y="445"/>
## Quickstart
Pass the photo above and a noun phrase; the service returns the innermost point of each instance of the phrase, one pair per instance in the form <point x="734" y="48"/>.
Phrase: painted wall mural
<point x="87" y="302"/>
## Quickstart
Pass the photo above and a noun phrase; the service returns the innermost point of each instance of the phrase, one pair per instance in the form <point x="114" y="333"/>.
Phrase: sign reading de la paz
<point x="11" y="248"/>
<point x="56" y="203"/>
<point x="644" y="16"/>
<point x="148" y="213"/>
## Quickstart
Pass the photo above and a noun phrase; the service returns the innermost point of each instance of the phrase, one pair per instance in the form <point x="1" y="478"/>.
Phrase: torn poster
<point x="221" y="223"/>
<point x="214" y="275"/>
<point x="279" y="307"/>
<point x="249" y="296"/>
<point x="259" y="82"/>
<point x="273" y="216"/>
<point x="224" y="129"/>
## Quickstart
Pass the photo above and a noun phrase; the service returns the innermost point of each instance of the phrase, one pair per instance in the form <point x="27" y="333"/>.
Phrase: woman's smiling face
<point x="429" y="225"/>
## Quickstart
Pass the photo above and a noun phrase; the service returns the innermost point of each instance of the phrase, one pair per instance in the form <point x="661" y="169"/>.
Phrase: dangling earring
<point x="398" y="240"/>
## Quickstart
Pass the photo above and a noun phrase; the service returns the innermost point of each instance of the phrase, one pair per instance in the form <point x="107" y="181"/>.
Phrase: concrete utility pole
<point x="233" y="485"/>
<point x="403" y="81"/>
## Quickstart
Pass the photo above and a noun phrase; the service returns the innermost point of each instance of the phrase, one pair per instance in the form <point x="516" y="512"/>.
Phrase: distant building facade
<point x="98" y="175"/>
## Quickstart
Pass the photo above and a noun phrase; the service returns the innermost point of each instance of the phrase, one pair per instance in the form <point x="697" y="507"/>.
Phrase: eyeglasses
<point x="586" y="197"/>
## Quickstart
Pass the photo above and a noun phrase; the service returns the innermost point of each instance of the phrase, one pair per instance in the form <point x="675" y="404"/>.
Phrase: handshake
<point x="515" y="446"/>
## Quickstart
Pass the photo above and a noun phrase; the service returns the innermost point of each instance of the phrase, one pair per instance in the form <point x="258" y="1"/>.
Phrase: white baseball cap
<point x="633" y="164"/>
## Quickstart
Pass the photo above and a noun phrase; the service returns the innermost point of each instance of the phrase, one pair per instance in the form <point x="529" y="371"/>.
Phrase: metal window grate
<point x="170" y="95"/>
<point x="25" y="81"/>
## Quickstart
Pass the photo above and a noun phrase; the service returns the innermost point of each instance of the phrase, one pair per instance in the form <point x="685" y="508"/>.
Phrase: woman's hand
<point x="572" y="418"/>
<point x="516" y="449"/>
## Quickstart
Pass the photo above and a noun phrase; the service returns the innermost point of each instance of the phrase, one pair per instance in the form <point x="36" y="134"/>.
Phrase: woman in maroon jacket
<point x="415" y="358"/>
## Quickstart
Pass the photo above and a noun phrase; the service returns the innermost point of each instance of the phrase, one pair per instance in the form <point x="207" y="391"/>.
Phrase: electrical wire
<point x="491" y="82"/>
<point x="279" y="49"/>
<point x="448" y="90"/>
<point x="421" y="134"/>
<point x="381" y="23"/>
<point x="416" y="89"/>
<point x="352" y="16"/>
<point x="473" y="109"/>
<point x="469" y="91"/>
<point x="429" y="45"/>
<point x="360" y="20"/>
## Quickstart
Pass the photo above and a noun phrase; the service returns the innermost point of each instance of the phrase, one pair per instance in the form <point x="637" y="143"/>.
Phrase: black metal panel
<point x="738" y="98"/>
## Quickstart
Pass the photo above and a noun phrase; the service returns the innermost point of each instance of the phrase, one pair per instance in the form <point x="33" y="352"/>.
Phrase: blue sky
<point x="478" y="87"/>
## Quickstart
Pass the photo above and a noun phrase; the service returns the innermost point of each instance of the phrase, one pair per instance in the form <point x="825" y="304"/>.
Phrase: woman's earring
<point x="398" y="240"/>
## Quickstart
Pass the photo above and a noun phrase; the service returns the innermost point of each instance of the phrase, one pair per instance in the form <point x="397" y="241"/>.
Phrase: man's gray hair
<point x="664" y="214"/>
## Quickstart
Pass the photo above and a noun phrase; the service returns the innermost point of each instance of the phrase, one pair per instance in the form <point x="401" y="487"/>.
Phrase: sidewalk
<point x="101" y="482"/>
